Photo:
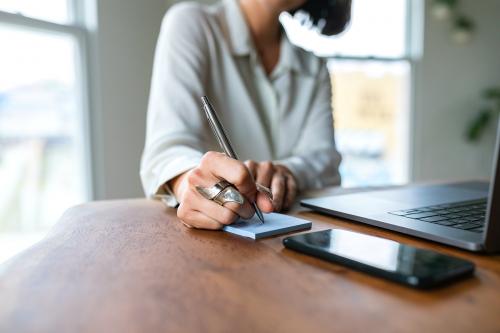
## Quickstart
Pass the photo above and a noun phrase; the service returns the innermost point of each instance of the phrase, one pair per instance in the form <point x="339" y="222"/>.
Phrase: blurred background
<point x="415" y="95"/>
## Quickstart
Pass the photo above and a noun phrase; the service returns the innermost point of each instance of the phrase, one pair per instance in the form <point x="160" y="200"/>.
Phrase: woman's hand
<point x="197" y="211"/>
<point x="279" y="179"/>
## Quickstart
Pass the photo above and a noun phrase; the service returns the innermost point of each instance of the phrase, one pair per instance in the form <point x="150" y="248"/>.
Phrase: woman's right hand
<point x="198" y="212"/>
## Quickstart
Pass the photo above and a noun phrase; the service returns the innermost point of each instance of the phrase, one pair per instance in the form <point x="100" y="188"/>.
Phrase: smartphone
<point x="381" y="257"/>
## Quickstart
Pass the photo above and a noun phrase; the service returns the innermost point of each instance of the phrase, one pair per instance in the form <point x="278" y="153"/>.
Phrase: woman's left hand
<point x="279" y="179"/>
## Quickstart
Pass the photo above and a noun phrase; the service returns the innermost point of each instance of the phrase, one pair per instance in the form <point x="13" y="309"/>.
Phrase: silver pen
<point x="223" y="140"/>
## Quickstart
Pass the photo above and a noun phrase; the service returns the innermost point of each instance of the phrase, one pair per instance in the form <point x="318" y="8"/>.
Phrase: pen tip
<point x="259" y="214"/>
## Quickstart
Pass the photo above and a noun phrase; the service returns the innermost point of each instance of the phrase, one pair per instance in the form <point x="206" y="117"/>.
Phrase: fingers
<point x="278" y="187"/>
<point x="210" y="215"/>
<point x="265" y="171"/>
<point x="245" y="211"/>
<point x="199" y="212"/>
<point x="196" y="219"/>
<point x="291" y="191"/>
<point x="226" y="214"/>
<point x="200" y="177"/>
<point x="235" y="172"/>
<point x="207" y="215"/>
<point x="213" y="215"/>
<point x="264" y="203"/>
<point x="262" y="172"/>
<point x="252" y="167"/>
<point x="281" y="180"/>
<point x="207" y="176"/>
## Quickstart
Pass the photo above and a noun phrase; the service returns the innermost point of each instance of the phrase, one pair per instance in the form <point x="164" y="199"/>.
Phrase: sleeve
<point x="175" y="125"/>
<point x="315" y="169"/>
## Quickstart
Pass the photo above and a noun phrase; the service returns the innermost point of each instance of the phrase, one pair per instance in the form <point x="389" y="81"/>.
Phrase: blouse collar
<point x="242" y="43"/>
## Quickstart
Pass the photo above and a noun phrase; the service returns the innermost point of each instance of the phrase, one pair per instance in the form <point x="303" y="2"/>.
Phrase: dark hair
<point x="329" y="16"/>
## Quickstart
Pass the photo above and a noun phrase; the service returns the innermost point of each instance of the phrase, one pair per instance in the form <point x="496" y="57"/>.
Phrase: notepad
<point x="275" y="224"/>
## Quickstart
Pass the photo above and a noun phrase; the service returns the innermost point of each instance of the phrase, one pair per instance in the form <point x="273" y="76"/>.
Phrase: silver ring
<point x="229" y="194"/>
<point x="211" y="192"/>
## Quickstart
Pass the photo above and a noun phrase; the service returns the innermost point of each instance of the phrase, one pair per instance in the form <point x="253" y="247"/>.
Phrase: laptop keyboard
<point x="469" y="215"/>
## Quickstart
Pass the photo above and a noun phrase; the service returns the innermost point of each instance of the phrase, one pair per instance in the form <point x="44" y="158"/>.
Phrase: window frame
<point x="414" y="23"/>
<point x="77" y="29"/>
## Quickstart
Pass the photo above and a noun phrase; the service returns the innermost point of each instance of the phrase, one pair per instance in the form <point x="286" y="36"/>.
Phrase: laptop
<point x="464" y="214"/>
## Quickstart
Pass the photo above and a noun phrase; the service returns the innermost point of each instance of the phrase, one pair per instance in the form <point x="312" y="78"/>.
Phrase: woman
<point x="274" y="100"/>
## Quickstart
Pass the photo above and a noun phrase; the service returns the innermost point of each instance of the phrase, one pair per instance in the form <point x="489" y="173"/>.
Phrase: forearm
<point x="157" y="169"/>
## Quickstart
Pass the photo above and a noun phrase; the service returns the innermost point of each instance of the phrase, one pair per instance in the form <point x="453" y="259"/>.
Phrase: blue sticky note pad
<point x="275" y="224"/>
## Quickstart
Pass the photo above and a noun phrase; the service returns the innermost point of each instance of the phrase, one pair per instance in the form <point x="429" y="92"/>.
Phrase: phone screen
<point x="383" y="257"/>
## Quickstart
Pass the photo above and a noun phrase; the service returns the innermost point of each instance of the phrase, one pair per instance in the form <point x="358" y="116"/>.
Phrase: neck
<point x="263" y="22"/>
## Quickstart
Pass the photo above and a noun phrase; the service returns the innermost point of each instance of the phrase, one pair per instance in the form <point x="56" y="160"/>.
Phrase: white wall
<point x="124" y="48"/>
<point x="449" y="80"/>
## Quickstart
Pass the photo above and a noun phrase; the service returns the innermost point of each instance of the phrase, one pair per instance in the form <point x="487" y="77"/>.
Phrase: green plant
<point x="463" y="22"/>
<point x="462" y="26"/>
<point x="479" y="123"/>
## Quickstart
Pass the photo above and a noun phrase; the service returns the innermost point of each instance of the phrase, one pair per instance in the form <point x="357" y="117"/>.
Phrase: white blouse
<point x="285" y="117"/>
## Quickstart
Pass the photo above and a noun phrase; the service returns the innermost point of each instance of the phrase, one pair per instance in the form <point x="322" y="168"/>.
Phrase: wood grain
<point x="130" y="266"/>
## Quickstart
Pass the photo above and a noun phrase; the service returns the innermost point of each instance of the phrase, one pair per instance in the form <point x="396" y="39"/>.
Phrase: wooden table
<point x="130" y="266"/>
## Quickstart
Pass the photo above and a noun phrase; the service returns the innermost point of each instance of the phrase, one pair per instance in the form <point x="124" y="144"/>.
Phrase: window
<point x="42" y="122"/>
<point x="49" y="10"/>
<point x="370" y="70"/>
